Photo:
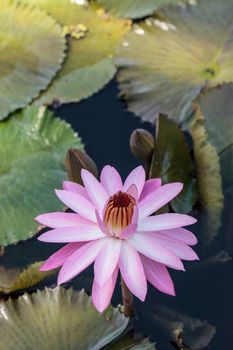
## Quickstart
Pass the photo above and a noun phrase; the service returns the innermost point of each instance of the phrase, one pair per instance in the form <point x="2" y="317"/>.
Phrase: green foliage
<point x="212" y="133"/>
<point x="57" y="319"/>
<point x="31" y="52"/>
<point x="166" y="60"/>
<point x="33" y="145"/>
<point x="131" y="342"/>
<point x="134" y="8"/>
<point x="88" y="65"/>
<point x="15" y="279"/>
<point x="171" y="161"/>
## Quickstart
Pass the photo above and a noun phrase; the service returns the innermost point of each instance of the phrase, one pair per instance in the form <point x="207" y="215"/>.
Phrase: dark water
<point x="203" y="307"/>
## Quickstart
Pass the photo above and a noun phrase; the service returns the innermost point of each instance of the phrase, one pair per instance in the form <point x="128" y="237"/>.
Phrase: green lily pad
<point x="31" y="52"/>
<point x="216" y="106"/>
<point x="93" y="38"/>
<point x="134" y="8"/>
<point x="172" y="162"/>
<point x="33" y="144"/>
<point x="185" y="48"/>
<point x="209" y="180"/>
<point x="57" y="319"/>
<point x="16" y="279"/>
<point x="131" y="342"/>
<point x="207" y="165"/>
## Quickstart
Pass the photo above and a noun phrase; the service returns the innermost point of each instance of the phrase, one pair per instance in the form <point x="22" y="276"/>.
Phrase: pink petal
<point x="79" y="233"/>
<point x="59" y="258"/>
<point x="106" y="261"/>
<point x="165" y="222"/>
<point x="135" y="215"/>
<point x="179" y="248"/>
<point x="74" y="187"/>
<point x="59" y="219"/>
<point x="133" y="191"/>
<point x="128" y="231"/>
<point x="80" y="260"/>
<point x="148" y="246"/>
<point x="181" y="234"/>
<point x="95" y="190"/>
<point x="132" y="271"/>
<point x="77" y="203"/>
<point x="101" y="297"/>
<point x="111" y="180"/>
<point x="158" y="275"/>
<point x="150" y="186"/>
<point x="158" y="198"/>
<point x="102" y="226"/>
<point x="136" y="177"/>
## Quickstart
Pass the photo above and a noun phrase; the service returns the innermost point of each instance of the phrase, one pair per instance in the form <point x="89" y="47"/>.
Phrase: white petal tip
<point x="43" y="268"/>
<point x="100" y="309"/>
<point x="142" y="297"/>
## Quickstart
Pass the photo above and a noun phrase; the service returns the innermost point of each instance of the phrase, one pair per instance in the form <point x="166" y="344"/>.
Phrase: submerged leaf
<point x="31" y="52"/>
<point x="166" y="60"/>
<point x="195" y="333"/>
<point x="13" y="279"/>
<point x="172" y="162"/>
<point x="57" y="319"/>
<point x="88" y="66"/>
<point x="134" y="8"/>
<point x="33" y="145"/>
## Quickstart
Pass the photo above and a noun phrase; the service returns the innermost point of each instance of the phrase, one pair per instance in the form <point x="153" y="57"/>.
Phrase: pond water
<point x="203" y="307"/>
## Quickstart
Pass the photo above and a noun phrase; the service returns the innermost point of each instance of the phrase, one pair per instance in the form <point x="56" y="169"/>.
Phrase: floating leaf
<point x="13" y="279"/>
<point x="216" y="106"/>
<point x="207" y="165"/>
<point x="88" y="66"/>
<point x="33" y="145"/>
<point x="172" y="162"/>
<point x="209" y="180"/>
<point x="131" y="342"/>
<point x="57" y="319"/>
<point x="134" y="8"/>
<point x="185" y="48"/>
<point x="31" y="52"/>
<point x="213" y="145"/>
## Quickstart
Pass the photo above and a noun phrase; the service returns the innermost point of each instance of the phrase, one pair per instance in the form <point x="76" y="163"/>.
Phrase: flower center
<point x="119" y="212"/>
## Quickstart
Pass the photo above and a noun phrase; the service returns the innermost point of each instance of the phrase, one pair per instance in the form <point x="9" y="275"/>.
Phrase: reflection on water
<point x="202" y="312"/>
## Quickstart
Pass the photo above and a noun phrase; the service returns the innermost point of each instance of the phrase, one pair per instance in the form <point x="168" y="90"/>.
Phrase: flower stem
<point x="128" y="302"/>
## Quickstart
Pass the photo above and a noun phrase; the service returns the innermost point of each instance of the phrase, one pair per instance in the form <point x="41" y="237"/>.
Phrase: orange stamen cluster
<point x="119" y="212"/>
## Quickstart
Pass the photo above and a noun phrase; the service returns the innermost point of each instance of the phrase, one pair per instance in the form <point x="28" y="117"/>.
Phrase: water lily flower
<point x="113" y="226"/>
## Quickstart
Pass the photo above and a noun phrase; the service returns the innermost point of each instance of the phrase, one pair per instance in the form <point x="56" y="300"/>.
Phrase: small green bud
<point x="142" y="144"/>
<point x="75" y="161"/>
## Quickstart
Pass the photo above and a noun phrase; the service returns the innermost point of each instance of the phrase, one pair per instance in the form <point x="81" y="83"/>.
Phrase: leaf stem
<point x="128" y="302"/>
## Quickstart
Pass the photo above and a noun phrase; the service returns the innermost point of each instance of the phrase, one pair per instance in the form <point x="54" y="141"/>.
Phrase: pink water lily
<point x="113" y="226"/>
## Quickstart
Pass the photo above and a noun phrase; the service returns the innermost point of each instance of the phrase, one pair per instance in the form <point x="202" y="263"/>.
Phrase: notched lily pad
<point x="16" y="279"/>
<point x="172" y="162"/>
<point x="57" y="319"/>
<point x="134" y="8"/>
<point x="185" y="48"/>
<point x="91" y="44"/>
<point x="31" y="52"/>
<point x="33" y="144"/>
